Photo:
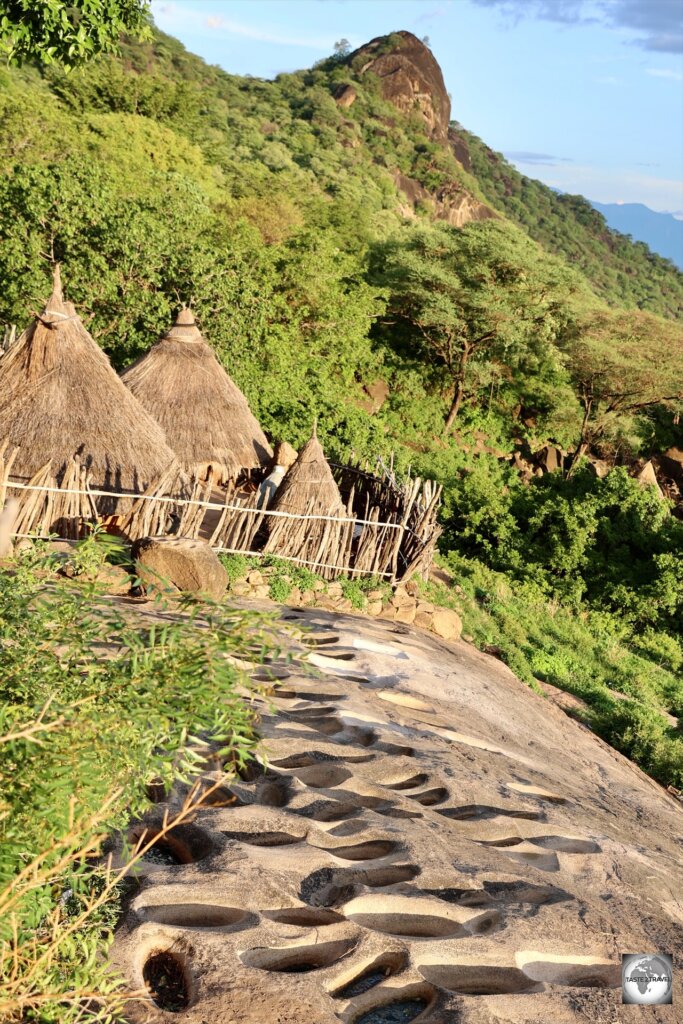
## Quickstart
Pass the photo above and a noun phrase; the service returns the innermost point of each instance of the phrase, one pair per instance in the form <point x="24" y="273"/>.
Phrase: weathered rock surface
<point x="428" y="834"/>
<point x="648" y="478"/>
<point x="345" y="96"/>
<point x="451" y="202"/>
<point x="671" y="463"/>
<point x="410" y="79"/>
<point x="190" y="565"/>
<point x="446" y="623"/>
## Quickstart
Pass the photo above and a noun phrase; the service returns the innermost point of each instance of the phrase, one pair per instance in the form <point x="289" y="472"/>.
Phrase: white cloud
<point x="676" y="76"/>
<point x="607" y="186"/>
<point x="191" y="16"/>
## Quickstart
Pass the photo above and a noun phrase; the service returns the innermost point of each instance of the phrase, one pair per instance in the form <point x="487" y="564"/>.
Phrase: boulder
<point x="551" y="459"/>
<point x="190" y="565"/>
<point x="375" y="395"/>
<point x="115" y="578"/>
<point x="423" y="619"/>
<point x="450" y="202"/>
<point x="406" y="613"/>
<point x="401" y="598"/>
<point x="671" y="463"/>
<point x="446" y="623"/>
<point x="345" y="96"/>
<point x="648" y="478"/>
<point x="373" y="608"/>
<point x="240" y="589"/>
<point x="599" y="467"/>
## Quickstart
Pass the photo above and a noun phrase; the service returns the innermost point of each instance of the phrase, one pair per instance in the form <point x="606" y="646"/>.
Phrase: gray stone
<point x="423" y="619"/>
<point x="114" y="578"/>
<point x="446" y="623"/>
<point x="648" y="478"/>
<point x="406" y="613"/>
<point x="190" y="565"/>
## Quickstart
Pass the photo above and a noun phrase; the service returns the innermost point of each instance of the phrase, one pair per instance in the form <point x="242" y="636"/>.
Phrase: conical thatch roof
<point x="60" y="397"/>
<point x="205" y="416"/>
<point x="309" y="485"/>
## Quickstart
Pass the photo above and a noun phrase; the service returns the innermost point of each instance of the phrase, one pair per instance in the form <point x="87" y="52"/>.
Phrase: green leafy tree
<point x="622" y="362"/>
<point x="481" y="293"/>
<point x="342" y="48"/>
<point x="68" y="32"/>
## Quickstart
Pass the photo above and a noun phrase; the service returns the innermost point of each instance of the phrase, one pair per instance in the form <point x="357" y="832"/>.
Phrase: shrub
<point x="92" y="706"/>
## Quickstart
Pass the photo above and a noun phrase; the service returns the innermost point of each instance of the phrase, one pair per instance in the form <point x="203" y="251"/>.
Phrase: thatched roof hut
<point x="309" y="486"/>
<point x="205" y="416"/>
<point x="60" y="398"/>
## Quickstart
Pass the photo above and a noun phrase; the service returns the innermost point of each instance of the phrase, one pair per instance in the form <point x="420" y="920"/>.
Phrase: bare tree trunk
<point x="459" y="391"/>
<point x="454" y="409"/>
<point x="583" y="443"/>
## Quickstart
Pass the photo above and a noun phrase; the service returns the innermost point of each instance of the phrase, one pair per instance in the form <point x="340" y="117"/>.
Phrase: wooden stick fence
<point x="388" y="530"/>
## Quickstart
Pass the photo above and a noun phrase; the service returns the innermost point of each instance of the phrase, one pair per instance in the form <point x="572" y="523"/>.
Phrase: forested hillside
<point x="623" y="272"/>
<point x="353" y="257"/>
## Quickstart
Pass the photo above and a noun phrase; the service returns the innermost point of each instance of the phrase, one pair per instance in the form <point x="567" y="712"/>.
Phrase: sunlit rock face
<point x="410" y="78"/>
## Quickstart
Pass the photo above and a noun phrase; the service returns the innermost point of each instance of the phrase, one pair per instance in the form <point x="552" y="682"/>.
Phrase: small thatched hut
<point x="205" y="416"/>
<point x="60" y="398"/>
<point x="309" y="486"/>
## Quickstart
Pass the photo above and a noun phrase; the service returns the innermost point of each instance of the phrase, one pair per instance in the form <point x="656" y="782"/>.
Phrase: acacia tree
<point x="622" y="362"/>
<point x="68" y="32"/>
<point x="483" y="292"/>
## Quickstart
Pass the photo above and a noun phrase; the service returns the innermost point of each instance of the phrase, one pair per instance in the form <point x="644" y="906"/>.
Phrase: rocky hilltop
<point x="412" y="81"/>
<point x="410" y="78"/>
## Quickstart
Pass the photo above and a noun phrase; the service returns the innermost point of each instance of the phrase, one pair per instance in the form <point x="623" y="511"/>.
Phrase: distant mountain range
<point x="661" y="231"/>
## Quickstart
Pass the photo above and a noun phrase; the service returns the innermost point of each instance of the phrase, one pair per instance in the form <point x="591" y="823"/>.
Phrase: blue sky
<point x="586" y="95"/>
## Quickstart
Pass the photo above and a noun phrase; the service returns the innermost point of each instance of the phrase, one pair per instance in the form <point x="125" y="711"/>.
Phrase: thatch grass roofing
<point x="203" y="413"/>
<point x="309" y="486"/>
<point x="284" y="454"/>
<point x="60" y="398"/>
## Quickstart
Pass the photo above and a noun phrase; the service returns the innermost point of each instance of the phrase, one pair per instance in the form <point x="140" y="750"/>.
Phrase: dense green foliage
<point x="156" y="179"/>
<point x="67" y="31"/>
<point x="609" y="544"/>
<point x="94" y="705"/>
